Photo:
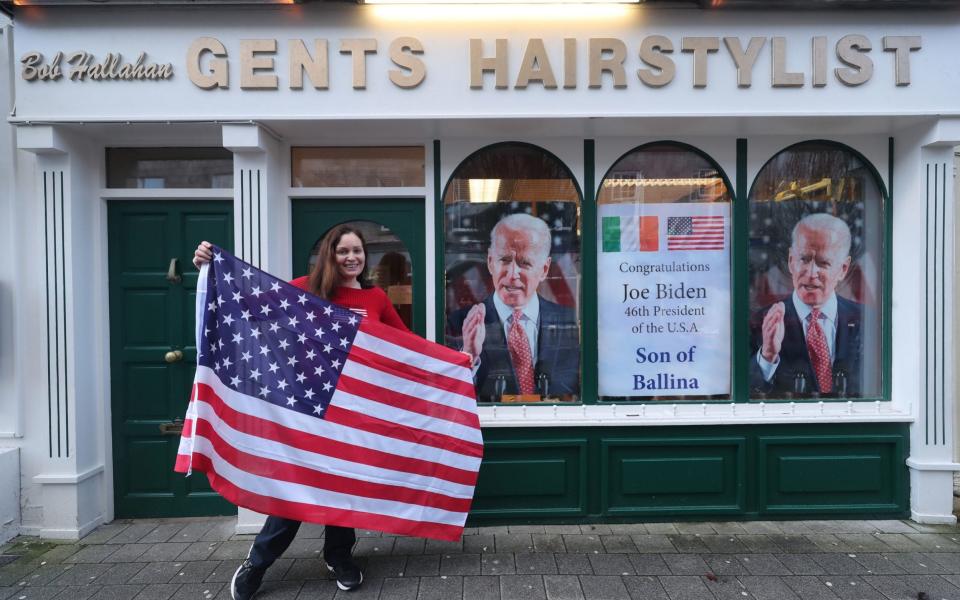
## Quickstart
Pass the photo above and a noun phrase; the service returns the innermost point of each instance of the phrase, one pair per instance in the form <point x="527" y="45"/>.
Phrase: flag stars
<point x="220" y="300"/>
<point x="293" y="321"/>
<point x="254" y="333"/>
<point x="309" y="393"/>
<point x="217" y="258"/>
<point x="311" y="316"/>
<point x="236" y="296"/>
<point x="302" y="299"/>
<point x="344" y="342"/>
<point x="246" y="356"/>
<point x="291" y="401"/>
<point x="335" y="326"/>
<point x="264" y="391"/>
<point x="237" y="338"/>
<point x="284" y="344"/>
<point x="302" y="338"/>
<point x="275" y="287"/>
<point x="328" y="310"/>
<point x="318" y="371"/>
<point x="264" y="350"/>
<point x="245" y="315"/>
<point x="327" y="348"/>
<point x="256" y="291"/>
<point x="301" y="377"/>
<point x="318" y="409"/>
<point x="227" y="362"/>
<point x="311" y="354"/>
<point x="273" y="367"/>
<point x="274" y="327"/>
<point x="235" y="381"/>
<point x="247" y="273"/>
<point x="292" y="361"/>
<point x="352" y="320"/>
<point x="336" y="363"/>
<point x="212" y="306"/>
<point x="319" y="332"/>
<point x="255" y="374"/>
<point x="282" y="384"/>
<point x="284" y="304"/>
<point x="228" y="277"/>
<point x="228" y="319"/>
<point x="265" y="310"/>
<point x="327" y="386"/>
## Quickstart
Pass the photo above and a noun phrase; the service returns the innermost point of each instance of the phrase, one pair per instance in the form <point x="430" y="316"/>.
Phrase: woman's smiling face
<point x="350" y="258"/>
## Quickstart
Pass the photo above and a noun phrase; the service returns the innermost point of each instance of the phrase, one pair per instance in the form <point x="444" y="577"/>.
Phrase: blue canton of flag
<point x="265" y="338"/>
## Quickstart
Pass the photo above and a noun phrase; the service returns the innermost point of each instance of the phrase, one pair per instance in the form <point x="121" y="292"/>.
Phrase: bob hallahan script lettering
<point x="83" y="67"/>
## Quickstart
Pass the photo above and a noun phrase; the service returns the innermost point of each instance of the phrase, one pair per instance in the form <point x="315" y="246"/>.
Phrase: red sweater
<point x="370" y="302"/>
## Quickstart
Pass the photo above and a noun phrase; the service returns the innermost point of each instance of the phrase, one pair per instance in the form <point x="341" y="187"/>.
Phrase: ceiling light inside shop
<point x="484" y="190"/>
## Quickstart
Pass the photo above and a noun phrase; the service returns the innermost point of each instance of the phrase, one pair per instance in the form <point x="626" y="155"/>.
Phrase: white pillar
<point x="63" y="295"/>
<point x="261" y="217"/>
<point x="933" y="433"/>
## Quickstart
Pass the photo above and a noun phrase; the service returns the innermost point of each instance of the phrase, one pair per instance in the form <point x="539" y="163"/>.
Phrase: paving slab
<point x="611" y="564"/>
<point x="562" y="587"/>
<point x="767" y="587"/>
<point x="398" y="588"/>
<point x="535" y="563"/>
<point x="480" y="588"/>
<point x="851" y="587"/>
<point x="522" y="587"/>
<point x="603" y="587"/>
<point x="685" y="587"/>
<point x="443" y="587"/>
<point x="645" y="588"/>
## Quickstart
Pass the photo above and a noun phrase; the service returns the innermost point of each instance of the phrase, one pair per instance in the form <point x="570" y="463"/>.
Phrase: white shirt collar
<point x="531" y="311"/>
<point x="828" y="310"/>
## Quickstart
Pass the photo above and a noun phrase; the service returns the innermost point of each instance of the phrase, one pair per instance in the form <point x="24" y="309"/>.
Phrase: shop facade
<point x="672" y="193"/>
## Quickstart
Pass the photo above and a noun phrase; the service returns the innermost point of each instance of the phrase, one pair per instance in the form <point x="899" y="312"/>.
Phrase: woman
<point x="337" y="276"/>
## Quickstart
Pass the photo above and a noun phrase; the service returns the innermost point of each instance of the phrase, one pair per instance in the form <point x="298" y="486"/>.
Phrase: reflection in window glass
<point x="168" y="168"/>
<point x="512" y="266"/>
<point x="388" y="265"/>
<point x="663" y="277"/>
<point x="816" y="262"/>
<point x="381" y="166"/>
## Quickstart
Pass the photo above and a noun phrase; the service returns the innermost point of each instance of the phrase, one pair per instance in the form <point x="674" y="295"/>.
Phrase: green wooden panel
<point x="547" y="477"/>
<point x="672" y="475"/>
<point x="149" y="316"/>
<point x="642" y="476"/>
<point x="806" y="474"/>
<point x="528" y="477"/>
<point x="831" y="474"/>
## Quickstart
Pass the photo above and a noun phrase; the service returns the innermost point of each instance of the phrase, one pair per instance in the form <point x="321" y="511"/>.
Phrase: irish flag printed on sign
<point x="631" y="234"/>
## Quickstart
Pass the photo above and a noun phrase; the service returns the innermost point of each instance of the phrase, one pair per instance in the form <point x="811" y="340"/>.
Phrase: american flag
<point x="695" y="233"/>
<point x="304" y="409"/>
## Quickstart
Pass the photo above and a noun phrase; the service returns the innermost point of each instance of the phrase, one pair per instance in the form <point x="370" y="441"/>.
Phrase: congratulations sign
<point x="664" y="299"/>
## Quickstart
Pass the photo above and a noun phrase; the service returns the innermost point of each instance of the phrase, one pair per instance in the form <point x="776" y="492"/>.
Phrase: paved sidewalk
<point x="763" y="560"/>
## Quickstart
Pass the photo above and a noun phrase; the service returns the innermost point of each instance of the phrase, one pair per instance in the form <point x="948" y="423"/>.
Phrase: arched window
<point x="816" y="264"/>
<point x="512" y="272"/>
<point x="663" y="276"/>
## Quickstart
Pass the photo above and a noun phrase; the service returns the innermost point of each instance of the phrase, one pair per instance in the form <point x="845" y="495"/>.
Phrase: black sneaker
<point x="246" y="581"/>
<point x="349" y="576"/>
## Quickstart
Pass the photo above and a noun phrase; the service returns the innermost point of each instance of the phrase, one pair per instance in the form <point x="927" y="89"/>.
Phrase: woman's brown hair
<point x="323" y="276"/>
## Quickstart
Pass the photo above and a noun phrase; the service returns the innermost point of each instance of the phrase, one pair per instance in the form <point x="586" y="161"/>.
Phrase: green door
<point x="152" y="292"/>
<point x="395" y="237"/>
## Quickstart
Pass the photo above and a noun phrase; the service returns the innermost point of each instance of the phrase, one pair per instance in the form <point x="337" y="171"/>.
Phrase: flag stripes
<point x="302" y="409"/>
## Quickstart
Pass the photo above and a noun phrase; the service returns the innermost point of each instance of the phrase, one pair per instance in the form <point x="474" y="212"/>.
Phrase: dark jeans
<point x="278" y="533"/>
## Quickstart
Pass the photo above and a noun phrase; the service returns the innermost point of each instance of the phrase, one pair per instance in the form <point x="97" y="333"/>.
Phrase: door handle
<point x="172" y="275"/>
<point x="174" y="427"/>
<point x="173" y="356"/>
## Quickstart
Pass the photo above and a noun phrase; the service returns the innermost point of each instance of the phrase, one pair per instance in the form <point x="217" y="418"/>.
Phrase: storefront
<point x="704" y="257"/>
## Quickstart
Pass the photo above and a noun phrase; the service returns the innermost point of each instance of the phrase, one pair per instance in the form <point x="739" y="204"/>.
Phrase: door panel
<point x="151" y="315"/>
<point x="403" y="217"/>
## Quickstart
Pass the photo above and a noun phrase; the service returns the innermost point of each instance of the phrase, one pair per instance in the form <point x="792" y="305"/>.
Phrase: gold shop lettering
<point x="84" y="66"/>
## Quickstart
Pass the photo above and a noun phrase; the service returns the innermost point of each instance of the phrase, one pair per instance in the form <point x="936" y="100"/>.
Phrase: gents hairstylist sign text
<point x="559" y="64"/>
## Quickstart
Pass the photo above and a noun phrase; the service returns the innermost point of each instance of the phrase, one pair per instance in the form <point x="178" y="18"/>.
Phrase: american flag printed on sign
<point x="695" y="233"/>
<point x="304" y="409"/>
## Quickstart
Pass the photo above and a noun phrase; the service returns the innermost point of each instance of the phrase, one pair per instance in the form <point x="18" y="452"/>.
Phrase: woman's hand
<point x="203" y="254"/>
